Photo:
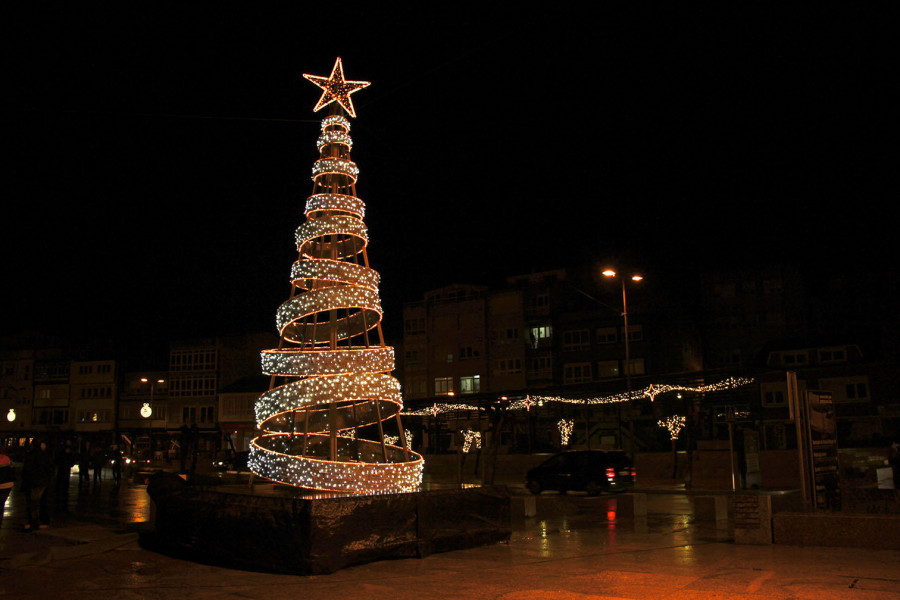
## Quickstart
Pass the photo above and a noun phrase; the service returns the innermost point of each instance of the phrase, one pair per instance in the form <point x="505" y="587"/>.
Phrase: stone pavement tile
<point x="80" y="532"/>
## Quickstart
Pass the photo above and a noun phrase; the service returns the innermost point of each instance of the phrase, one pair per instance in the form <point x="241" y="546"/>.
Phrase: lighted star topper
<point x="336" y="89"/>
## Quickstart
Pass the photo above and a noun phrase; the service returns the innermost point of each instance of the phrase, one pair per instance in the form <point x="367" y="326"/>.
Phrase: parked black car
<point x="592" y="471"/>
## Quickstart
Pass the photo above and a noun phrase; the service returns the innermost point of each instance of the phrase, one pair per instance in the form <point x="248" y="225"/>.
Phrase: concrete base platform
<point x="302" y="535"/>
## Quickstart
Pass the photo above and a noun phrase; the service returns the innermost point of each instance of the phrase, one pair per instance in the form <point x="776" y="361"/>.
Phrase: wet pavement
<point x="576" y="548"/>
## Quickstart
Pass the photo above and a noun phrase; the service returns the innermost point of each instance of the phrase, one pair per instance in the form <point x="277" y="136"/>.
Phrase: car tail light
<point x="610" y="473"/>
<point x="633" y="472"/>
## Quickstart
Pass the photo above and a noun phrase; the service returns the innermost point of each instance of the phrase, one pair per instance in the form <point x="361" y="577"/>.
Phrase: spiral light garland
<point x="330" y="375"/>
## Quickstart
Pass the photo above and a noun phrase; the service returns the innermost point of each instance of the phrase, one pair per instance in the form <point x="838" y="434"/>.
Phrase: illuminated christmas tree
<point x="330" y="375"/>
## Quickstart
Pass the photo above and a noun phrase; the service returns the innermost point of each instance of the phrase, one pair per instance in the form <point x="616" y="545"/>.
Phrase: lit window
<point x="443" y="386"/>
<point x="470" y="384"/>
<point x="540" y="335"/>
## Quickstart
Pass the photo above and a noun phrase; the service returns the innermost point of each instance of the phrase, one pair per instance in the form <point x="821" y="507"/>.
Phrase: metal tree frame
<point x="330" y="375"/>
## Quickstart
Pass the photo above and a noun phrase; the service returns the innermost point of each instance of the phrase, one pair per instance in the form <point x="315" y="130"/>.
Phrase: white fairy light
<point x="329" y="226"/>
<point x="335" y="166"/>
<point x="336" y="202"/>
<point x="674" y="424"/>
<point x="566" y="427"/>
<point x="471" y="438"/>
<point x="335" y="137"/>
<point x="328" y="362"/>
<point x="334" y="272"/>
<point x="652" y="391"/>
<point x="335" y="121"/>
<point x="649" y="392"/>
<point x="334" y="382"/>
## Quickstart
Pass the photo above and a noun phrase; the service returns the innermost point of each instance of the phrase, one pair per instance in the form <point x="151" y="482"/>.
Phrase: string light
<point x="334" y="381"/>
<point x="336" y="89"/>
<point x="336" y="202"/>
<point x="335" y="166"/>
<point x="566" y="427"/>
<point x="395" y="439"/>
<point x="674" y="424"/>
<point x="330" y="225"/>
<point x="649" y="392"/>
<point x="471" y="438"/>
<point x="335" y="137"/>
<point x="335" y="121"/>
<point x="653" y="391"/>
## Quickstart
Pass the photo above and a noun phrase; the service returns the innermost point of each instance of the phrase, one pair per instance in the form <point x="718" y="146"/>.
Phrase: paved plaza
<point x="577" y="548"/>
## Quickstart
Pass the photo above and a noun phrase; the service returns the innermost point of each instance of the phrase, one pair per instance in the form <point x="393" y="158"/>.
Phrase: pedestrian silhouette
<point x="98" y="461"/>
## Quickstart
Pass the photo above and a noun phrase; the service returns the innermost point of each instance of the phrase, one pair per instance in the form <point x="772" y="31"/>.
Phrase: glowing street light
<point x="611" y="273"/>
<point x="147" y="410"/>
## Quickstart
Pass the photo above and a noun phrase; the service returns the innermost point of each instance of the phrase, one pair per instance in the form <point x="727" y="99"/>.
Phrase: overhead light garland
<point x="530" y="401"/>
<point x="651" y="392"/>
<point x="331" y="374"/>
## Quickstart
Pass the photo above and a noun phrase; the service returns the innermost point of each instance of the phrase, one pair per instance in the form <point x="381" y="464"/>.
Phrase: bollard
<point x="710" y="508"/>
<point x="521" y="508"/>
<point x="630" y="506"/>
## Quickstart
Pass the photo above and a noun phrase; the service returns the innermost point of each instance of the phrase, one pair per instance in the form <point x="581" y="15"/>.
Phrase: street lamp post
<point x="147" y="409"/>
<point x="636" y="277"/>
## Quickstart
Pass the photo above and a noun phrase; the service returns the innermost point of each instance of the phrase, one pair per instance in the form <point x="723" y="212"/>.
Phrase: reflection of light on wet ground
<point x="542" y="528"/>
<point x="11" y="503"/>
<point x="687" y="555"/>
<point x="126" y="504"/>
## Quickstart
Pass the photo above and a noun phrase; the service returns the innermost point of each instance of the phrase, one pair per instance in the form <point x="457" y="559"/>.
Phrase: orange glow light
<point x="336" y="89"/>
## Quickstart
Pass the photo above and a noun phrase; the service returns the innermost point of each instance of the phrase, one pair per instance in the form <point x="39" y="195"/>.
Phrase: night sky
<point x="156" y="163"/>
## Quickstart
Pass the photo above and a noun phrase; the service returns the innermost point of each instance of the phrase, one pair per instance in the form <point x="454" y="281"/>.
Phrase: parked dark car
<point x="591" y="471"/>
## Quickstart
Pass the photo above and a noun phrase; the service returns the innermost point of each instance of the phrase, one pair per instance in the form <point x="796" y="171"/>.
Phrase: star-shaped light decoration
<point x="336" y="89"/>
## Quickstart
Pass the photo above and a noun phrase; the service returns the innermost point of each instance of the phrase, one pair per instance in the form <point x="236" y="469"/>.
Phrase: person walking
<point x="37" y="471"/>
<point x="84" y="466"/>
<point x="115" y="456"/>
<point x="7" y="479"/>
<point x="64" y="460"/>
<point x="98" y="460"/>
